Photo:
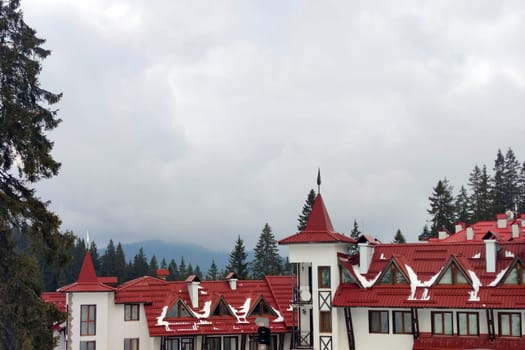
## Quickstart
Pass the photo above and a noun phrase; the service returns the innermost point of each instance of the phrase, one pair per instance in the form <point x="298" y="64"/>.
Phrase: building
<point x="460" y="291"/>
<point x="152" y="313"/>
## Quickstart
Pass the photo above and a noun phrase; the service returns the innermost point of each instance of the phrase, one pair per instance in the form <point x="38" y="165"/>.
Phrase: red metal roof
<point x="480" y="229"/>
<point x="158" y="296"/>
<point x="427" y="341"/>
<point x="87" y="280"/>
<point x="424" y="263"/>
<point x="319" y="228"/>
<point x="55" y="298"/>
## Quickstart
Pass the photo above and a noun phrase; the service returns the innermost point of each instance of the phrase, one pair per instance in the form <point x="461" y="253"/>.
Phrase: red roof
<point x="158" y="296"/>
<point x="319" y="228"/>
<point x="483" y="229"/>
<point x="423" y="264"/>
<point x="55" y="298"/>
<point x="427" y="341"/>
<point x="87" y="280"/>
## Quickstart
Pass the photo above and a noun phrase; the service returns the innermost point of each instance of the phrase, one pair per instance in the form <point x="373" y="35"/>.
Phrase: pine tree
<point x="189" y="270"/>
<point x="441" y="207"/>
<point x="163" y="264"/>
<point x="197" y="271"/>
<point x="95" y="256"/>
<point x="183" y="272"/>
<point x="174" y="271"/>
<point x="511" y="181"/>
<point x="109" y="260"/>
<point x="425" y="234"/>
<point x="498" y="184"/>
<point x="237" y="262"/>
<point x="140" y="266"/>
<point x="463" y="206"/>
<point x="355" y="233"/>
<point x="120" y="263"/>
<point x="481" y="198"/>
<point x="25" y="158"/>
<point x="266" y="255"/>
<point x="399" y="238"/>
<point x="153" y="266"/>
<point x="521" y="196"/>
<point x="307" y="210"/>
<point x="213" y="272"/>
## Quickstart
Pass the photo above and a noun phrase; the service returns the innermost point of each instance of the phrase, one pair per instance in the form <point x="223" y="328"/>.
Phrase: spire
<point x="87" y="271"/>
<point x="319" y="219"/>
<point x="318" y="180"/>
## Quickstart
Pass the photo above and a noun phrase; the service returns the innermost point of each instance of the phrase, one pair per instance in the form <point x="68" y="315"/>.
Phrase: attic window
<point x="392" y="275"/>
<point x="453" y="275"/>
<point x="346" y="276"/>
<point x="178" y="310"/>
<point x="262" y="308"/>
<point x="516" y="275"/>
<point x="221" y="309"/>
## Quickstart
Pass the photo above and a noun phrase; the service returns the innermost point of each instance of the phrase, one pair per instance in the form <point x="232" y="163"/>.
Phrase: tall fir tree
<point x="183" y="271"/>
<point x="307" y="210"/>
<point x="237" y="262"/>
<point x="109" y="260"/>
<point x="174" y="271"/>
<point x="198" y="272"/>
<point x="26" y="120"/>
<point x="140" y="266"/>
<point x="189" y="270"/>
<point x="511" y="181"/>
<point x="213" y="272"/>
<point x="425" y="234"/>
<point x="163" y="264"/>
<point x="93" y="250"/>
<point x="153" y="266"/>
<point x="441" y="207"/>
<point x="120" y="263"/>
<point x="398" y="237"/>
<point x="266" y="255"/>
<point x="498" y="184"/>
<point x="481" y="198"/>
<point x="355" y="233"/>
<point x="462" y="205"/>
<point x="521" y="196"/>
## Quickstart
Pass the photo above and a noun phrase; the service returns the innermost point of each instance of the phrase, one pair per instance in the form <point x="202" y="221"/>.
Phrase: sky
<point x="199" y="121"/>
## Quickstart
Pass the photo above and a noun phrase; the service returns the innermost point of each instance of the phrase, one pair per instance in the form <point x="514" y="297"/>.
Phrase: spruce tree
<point x="189" y="270"/>
<point x="109" y="260"/>
<point x="355" y="233"/>
<point x="120" y="264"/>
<point x="511" y="181"/>
<point x="498" y="184"/>
<point x="307" y="210"/>
<point x="197" y="271"/>
<point x="237" y="262"/>
<point x="399" y="238"/>
<point x="481" y="198"/>
<point x="425" y="234"/>
<point x="183" y="272"/>
<point x="93" y="250"/>
<point x="441" y="207"/>
<point x="213" y="272"/>
<point x="463" y="206"/>
<point x="163" y="264"/>
<point x="174" y="271"/>
<point x="153" y="266"/>
<point x="266" y="255"/>
<point x="521" y="195"/>
<point x="26" y="119"/>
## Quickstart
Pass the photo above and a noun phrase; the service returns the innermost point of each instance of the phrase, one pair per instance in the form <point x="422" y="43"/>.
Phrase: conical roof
<point x="87" y="280"/>
<point x="319" y="228"/>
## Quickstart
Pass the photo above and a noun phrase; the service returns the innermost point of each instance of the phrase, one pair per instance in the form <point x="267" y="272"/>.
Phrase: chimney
<point x="470" y="233"/>
<point x="522" y="220"/>
<point x="193" y="290"/>
<point x="490" y="255"/>
<point x="459" y="226"/>
<point x="232" y="280"/>
<point x="442" y="234"/>
<point x="515" y="230"/>
<point x="366" y="251"/>
<point x="163" y="274"/>
<point x="502" y="220"/>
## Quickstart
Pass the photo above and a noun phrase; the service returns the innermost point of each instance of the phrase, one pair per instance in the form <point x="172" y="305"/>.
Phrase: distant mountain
<point x="194" y="254"/>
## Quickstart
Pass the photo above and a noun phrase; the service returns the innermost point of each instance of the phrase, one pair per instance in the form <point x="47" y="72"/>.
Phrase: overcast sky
<point x="200" y="121"/>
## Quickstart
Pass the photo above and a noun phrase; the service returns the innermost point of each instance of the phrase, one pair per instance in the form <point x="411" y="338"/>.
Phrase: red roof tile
<point x="87" y="279"/>
<point x="480" y="229"/>
<point x="319" y="228"/>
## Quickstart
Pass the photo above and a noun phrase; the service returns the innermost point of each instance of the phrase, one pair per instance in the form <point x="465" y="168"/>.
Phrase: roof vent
<point x="459" y="226"/>
<point x="163" y="274"/>
<point x="470" y="233"/>
<point x="193" y="290"/>
<point x="232" y="280"/>
<point x="501" y="220"/>
<point x="515" y="230"/>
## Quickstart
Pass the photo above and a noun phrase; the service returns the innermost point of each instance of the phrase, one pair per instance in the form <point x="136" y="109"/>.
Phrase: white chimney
<point x="442" y="234"/>
<point x="502" y="220"/>
<point x="490" y="255"/>
<point x="470" y="233"/>
<point x="193" y="290"/>
<point x="232" y="280"/>
<point x="366" y="251"/>
<point x="515" y="230"/>
<point x="522" y="220"/>
<point x="459" y="226"/>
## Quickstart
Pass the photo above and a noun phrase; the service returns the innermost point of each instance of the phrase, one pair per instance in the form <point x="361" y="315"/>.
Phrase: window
<point x="346" y="276"/>
<point x="509" y="324"/>
<point x="468" y="323"/>
<point x="131" y="344"/>
<point x="515" y="275"/>
<point x="213" y="343"/>
<point x="323" y="273"/>
<point x="261" y="308"/>
<point x="88" y="319"/>
<point x="178" y="310"/>
<point x="402" y="322"/>
<point x="453" y="275"/>
<point x="131" y="312"/>
<point x="378" y="322"/>
<point x="325" y="321"/>
<point x="442" y="323"/>
<point x="172" y="344"/>
<point x="221" y="309"/>
<point x="230" y="343"/>
<point x="186" y="344"/>
<point x="392" y="275"/>
<point x="88" y="345"/>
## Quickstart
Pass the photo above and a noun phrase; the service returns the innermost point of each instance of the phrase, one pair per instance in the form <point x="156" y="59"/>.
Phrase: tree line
<point x="485" y="195"/>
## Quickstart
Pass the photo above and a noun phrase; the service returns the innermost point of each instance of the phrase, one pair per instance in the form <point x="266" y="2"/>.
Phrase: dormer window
<point x="221" y="309"/>
<point x="453" y="275"/>
<point x="178" y="310"/>
<point x="392" y="275"/>
<point x="262" y="308"/>
<point x="346" y="276"/>
<point x="516" y="275"/>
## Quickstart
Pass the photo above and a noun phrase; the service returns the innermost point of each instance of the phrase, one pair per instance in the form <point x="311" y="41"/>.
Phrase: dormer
<point x="392" y="274"/>
<point x="261" y="308"/>
<point x="221" y="308"/>
<point x="179" y="310"/>
<point x="515" y="274"/>
<point x="453" y="274"/>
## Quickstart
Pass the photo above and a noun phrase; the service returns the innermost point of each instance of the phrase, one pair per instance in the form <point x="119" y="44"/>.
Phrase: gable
<point x="392" y="274"/>
<point x="453" y="274"/>
<point x="179" y="310"/>
<point x="515" y="274"/>
<point x="221" y="309"/>
<point x="261" y="307"/>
